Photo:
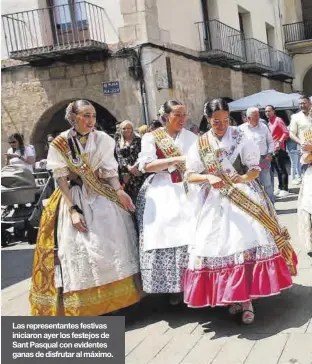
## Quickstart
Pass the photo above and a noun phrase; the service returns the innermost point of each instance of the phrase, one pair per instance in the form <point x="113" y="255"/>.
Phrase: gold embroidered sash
<point x="81" y="167"/>
<point x="168" y="148"/>
<point x="281" y="236"/>
<point x="308" y="135"/>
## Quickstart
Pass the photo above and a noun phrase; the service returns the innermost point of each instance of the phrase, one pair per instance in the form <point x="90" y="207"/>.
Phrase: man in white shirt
<point x="260" y="134"/>
<point x="301" y="121"/>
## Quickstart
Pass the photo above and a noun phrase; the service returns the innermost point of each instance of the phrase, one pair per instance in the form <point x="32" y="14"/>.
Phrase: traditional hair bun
<point x="69" y="113"/>
<point x="161" y="110"/>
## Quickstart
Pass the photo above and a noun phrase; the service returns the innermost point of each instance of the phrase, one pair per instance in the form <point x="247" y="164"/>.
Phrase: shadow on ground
<point x="16" y="265"/>
<point x="289" y="310"/>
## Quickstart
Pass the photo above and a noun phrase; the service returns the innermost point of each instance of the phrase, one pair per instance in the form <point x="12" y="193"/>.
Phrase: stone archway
<point x="307" y="83"/>
<point x="52" y="121"/>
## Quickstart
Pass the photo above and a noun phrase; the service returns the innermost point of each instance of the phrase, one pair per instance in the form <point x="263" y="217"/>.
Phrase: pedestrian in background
<point x="19" y="153"/>
<point x="154" y="124"/>
<point x="128" y="147"/>
<point x="280" y="134"/>
<point x="300" y="122"/>
<point x="260" y="134"/>
<point x="293" y="150"/>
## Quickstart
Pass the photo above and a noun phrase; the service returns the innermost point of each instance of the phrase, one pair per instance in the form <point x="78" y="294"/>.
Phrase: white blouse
<point x="184" y="140"/>
<point x="29" y="152"/>
<point x="99" y="151"/>
<point x="233" y="143"/>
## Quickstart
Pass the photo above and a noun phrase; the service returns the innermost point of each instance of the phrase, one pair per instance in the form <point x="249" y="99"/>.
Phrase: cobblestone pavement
<point x="281" y="333"/>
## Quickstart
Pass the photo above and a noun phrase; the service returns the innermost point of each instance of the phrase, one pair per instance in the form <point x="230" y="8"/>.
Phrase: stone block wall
<point x="28" y="93"/>
<point x="196" y="82"/>
<point x="31" y="96"/>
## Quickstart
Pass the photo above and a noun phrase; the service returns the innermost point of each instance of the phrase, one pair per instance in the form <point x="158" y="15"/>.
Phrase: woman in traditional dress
<point x="86" y="259"/>
<point x="240" y="252"/>
<point x="128" y="147"/>
<point x="165" y="217"/>
<point x="305" y="196"/>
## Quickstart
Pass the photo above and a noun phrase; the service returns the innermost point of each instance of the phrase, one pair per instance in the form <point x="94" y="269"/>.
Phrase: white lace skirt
<point x="108" y="252"/>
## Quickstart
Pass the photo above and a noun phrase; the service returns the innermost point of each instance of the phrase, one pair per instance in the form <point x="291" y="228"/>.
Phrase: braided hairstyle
<point x="214" y="105"/>
<point x="73" y="109"/>
<point x="166" y="108"/>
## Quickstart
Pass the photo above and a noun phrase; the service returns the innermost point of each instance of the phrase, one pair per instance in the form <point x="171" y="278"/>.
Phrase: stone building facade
<point x="34" y="94"/>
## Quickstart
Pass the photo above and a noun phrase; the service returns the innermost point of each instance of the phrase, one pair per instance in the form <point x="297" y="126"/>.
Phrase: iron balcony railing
<point x="258" y="54"/>
<point x="297" y="32"/>
<point x="220" y="41"/>
<point x="55" y="28"/>
<point x="283" y="63"/>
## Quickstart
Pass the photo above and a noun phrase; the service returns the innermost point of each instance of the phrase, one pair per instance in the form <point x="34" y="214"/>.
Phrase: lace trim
<point x="60" y="172"/>
<point x="144" y="161"/>
<point x="251" y="255"/>
<point x="258" y="168"/>
<point x="104" y="173"/>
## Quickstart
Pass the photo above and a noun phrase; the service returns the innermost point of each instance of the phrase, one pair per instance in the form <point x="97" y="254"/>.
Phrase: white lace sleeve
<point x="250" y="155"/>
<point x="56" y="163"/>
<point x="108" y="167"/>
<point x="148" y="151"/>
<point x="194" y="163"/>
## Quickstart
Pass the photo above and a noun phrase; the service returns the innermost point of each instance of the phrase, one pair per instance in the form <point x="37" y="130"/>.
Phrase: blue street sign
<point x="110" y="88"/>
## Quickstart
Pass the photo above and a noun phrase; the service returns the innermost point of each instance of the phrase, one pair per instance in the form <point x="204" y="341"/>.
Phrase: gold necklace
<point x="83" y="139"/>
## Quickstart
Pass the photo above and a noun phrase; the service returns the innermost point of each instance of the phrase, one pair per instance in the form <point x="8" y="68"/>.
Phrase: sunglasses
<point x="13" y="142"/>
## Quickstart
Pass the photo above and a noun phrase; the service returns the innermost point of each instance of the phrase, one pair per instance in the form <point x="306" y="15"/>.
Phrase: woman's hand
<point x="307" y="147"/>
<point x="78" y="221"/>
<point x="125" y="199"/>
<point x="216" y="182"/>
<point x="133" y="170"/>
<point x="236" y="178"/>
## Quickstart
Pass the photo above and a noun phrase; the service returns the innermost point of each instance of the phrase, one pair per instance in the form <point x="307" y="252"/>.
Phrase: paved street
<point x="282" y="332"/>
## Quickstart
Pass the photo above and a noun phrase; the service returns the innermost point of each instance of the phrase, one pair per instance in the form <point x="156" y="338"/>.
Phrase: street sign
<point x="110" y="88"/>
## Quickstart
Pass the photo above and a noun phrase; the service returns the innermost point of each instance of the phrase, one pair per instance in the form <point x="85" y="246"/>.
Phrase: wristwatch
<point x="75" y="208"/>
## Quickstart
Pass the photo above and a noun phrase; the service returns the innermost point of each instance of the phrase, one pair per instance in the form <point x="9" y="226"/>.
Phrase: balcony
<point x="259" y="56"/>
<point x="55" y="32"/>
<point x="220" y="43"/>
<point x="283" y="66"/>
<point x="298" y="37"/>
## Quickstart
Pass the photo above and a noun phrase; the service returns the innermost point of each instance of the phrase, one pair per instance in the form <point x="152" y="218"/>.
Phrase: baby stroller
<point x="22" y="197"/>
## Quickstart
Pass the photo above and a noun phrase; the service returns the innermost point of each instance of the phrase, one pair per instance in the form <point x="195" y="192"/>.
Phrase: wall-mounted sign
<point x="110" y="88"/>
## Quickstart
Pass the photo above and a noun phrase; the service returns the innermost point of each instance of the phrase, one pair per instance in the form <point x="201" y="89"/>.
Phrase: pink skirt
<point x="220" y="282"/>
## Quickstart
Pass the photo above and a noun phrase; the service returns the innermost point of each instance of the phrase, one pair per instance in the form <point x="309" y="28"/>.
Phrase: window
<point x="69" y="12"/>
<point x="241" y="23"/>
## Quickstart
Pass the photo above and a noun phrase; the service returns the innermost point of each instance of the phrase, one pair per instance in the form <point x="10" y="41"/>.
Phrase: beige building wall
<point x="111" y="17"/>
<point x="183" y="31"/>
<point x="292" y="13"/>
<point x="303" y="63"/>
<point x="181" y="27"/>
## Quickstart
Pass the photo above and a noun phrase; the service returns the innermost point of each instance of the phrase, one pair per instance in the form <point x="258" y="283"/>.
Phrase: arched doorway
<point x="52" y="121"/>
<point x="307" y="83"/>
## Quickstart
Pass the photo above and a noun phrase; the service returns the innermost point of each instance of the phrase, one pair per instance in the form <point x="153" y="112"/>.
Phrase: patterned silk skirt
<point x="162" y="270"/>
